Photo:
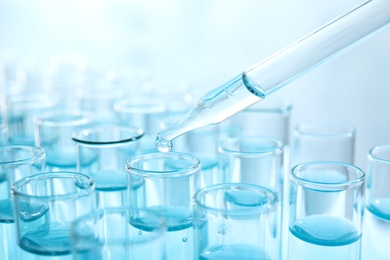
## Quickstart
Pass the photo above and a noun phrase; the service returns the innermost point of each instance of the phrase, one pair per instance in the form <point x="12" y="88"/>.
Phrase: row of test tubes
<point x="80" y="178"/>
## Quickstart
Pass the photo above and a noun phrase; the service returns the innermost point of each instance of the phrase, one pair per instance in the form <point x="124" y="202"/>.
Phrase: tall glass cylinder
<point x="16" y="162"/>
<point x="109" y="146"/>
<point x="256" y="160"/>
<point x="119" y="233"/>
<point x="46" y="204"/>
<point x="330" y="227"/>
<point x="166" y="183"/>
<point x="266" y="120"/>
<point x="146" y="113"/>
<point x="21" y="111"/>
<point x="53" y="132"/>
<point x="323" y="140"/>
<point x="235" y="221"/>
<point x="376" y="237"/>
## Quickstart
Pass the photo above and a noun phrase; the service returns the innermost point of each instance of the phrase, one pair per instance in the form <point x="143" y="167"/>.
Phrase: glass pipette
<point x="258" y="82"/>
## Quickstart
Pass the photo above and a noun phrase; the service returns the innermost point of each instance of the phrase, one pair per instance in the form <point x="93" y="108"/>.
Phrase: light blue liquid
<point x="324" y="237"/>
<point x="140" y="239"/>
<point x="8" y="244"/>
<point x="380" y="208"/>
<point x="111" y="188"/>
<point x="61" y="159"/>
<point x="66" y="159"/>
<point x="242" y="198"/>
<point x="109" y="180"/>
<point x="234" y="252"/>
<point x="52" y="239"/>
<point x="180" y="236"/>
<point x="376" y="230"/>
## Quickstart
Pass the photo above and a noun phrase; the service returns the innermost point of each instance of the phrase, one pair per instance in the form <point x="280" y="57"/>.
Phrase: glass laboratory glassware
<point x="53" y="132"/>
<point x="146" y="113"/>
<point x="21" y="111"/>
<point x="203" y="144"/>
<point x="376" y="239"/>
<point x="119" y="233"/>
<point x="263" y="79"/>
<point x="235" y="221"/>
<point x="331" y="228"/>
<point x="16" y="162"/>
<point x="45" y="206"/>
<point x="166" y="183"/>
<point x="264" y="119"/>
<point x="3" y="117"/>
<point x="260" y="161"/>
<point x="109" y="146"/>
<point x="323" y="140"/>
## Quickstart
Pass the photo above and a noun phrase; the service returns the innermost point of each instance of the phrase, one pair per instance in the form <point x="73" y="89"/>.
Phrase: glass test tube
<point x="376" y="238"/>
<point x="46" y="204"/>
<point x="331" y="232"/>
<point x="16" y="162"/>
<point x="323" y="140"/>
<point x="166" y="183"/>
<point x="119" y="233"/>
<point x="109" y="146"/>
<point x="235" y="221"/>
<point x="259" y="161"/>
<point x="53" y="132"/>
<point x="278" y="70"/>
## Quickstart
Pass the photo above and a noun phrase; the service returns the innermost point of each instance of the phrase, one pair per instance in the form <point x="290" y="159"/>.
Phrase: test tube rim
<point x="279" y="147"/>
<point x="264" y="208"/>
<point x="50" y="175"/>
<point x="323" y="186"/>
<point x="39" y="154"/>
<point x="137" y="134"/>
<point x="373" y="156"/>
<point x="195" y="167"/>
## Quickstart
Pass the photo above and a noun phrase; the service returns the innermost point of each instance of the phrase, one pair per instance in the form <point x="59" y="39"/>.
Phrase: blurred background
<point x="205" y="43"/>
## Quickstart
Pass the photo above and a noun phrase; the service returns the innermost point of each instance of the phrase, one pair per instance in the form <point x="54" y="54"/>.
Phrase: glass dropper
<point x="264" y="78"/>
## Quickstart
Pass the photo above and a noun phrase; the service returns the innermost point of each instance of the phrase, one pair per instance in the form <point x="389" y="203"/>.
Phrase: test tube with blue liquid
<point x="16" y="162"/>
<point x="332" y="232"/>
<point x="169" y="182"/>
<point x="109" y="146"/>
<point x="376" y="228"/>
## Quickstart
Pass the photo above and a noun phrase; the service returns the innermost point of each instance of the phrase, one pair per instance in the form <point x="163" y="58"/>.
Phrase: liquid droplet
<point x="163" y="145"/>
<point x="184" y="239"/>
<point x="140" y="233"/>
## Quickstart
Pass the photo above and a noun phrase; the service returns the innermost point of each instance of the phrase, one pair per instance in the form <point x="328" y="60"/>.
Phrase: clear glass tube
<point x="264" y="78"/>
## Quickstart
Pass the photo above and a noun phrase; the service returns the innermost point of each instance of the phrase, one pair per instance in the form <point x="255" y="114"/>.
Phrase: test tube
<point x="21" y="111"/>
<point x="119" y="233"/>
<point x="332" y="232"/>
<point x="166" y="183"/>
<point x="265" y="119"/>
<point x="16" y="162"/>
<point x="256" y="160"/>
<point x="323" y="140"/>
<point x="147" y="113"/>
<point x="46" y="204"/>
<point x="53" y="132"/>
<point x="235" y="221"/>
<point x="376" y="237"/>
<point x="110" y="146"/>
<point x="274" y="72"/>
